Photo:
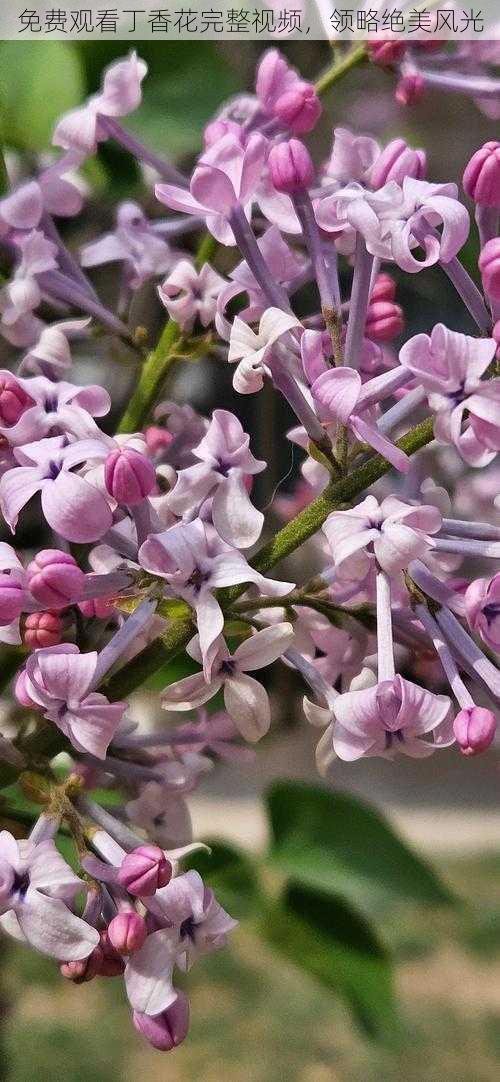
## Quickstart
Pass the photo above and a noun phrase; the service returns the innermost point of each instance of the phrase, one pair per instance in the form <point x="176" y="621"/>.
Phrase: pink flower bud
<point x="384" y="321"/>
<point x="11" y="598"/>
<point x="129" y="476"/>
<point x="55" y="579"/>
<point x="481" y="179"/>
<point x="99" y="608"/>
<point x="13" y="401"/>
<point x="167" y="1030"/>
<point x="410" y="89"/>
<point x="42" y="629"/>
<point x="489" y="265"/>
<point x="290" y="166"/>
<point x="299" y="108"/>
<point x="384" y="288"/>
<point x="85" y="969"/>
<point x="112" y="963"/>
<point x="21" y="693"/>
<point x="157" y="439"/>
<point x="385" y="52"/>
<point x="144" y="870"/>
<point x="396" y="162"/>
<point x="474" y="729"/>
<point x="127" y="932"/>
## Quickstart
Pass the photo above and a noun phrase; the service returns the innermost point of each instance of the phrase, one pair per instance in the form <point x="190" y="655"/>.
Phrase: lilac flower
<point x="194" y="563"/>
<point x="36" y="889"/>
<point x="120" y="95"/>
<point x="341" y="396"/>
<point x="189" y="294"/>
<point x="250" y="349"/>
<point x="162" y="812"/>
<point x="450" y="366"/>
<point x="136" y="243"/>
<point x="226" y="176"/>
<point x="284" y="95"/>
<point x="389" y="716"/>
<point x="74" y="508"/>
<point x="52" y="353"/>
<point x="225" y="464"/>
<point x="482" y="606"/>
<point x="13" y="594"/>
<point x="60" y="679"/>
<point x="20" y="297"/>
<point x="393" y="533"/>
<point x="395" y="220"/>
<point x="54" y="407"/>
<point x="351" y="159"/>
<point x="54" y="191"/>
<point x="284" y="265"/>
<point x="246" y="701"/>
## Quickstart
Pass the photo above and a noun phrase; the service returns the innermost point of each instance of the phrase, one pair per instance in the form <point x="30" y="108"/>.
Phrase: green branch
<point x="337" y="71"/>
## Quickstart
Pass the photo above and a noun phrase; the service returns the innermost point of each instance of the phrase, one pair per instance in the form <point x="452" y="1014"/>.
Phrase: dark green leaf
<point x="336" y="843"/>
<point x="323" y="935"/>
<point x="232" y="876"/>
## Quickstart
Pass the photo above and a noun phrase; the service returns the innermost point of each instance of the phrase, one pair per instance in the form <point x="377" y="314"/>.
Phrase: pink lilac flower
<point x="285" y="265"/>
<point x="51" y="407"/>
<point x="250" y="348"/>
<point x="135" y="242"/>
<point x="283" y="94"/>
<point x="225" y="465"/>
<point x="341" y="396"/>
<point x="449" y="366"/>
<point x="194" y="564"/>
<point x="226" y="176"/>
<point x="189" y="294"/>
<point x="120" y="94"/>
<point x="489" y="265"/>
<point x="246" y="701"/>
<point x="482" y="606"/>
<point x="395" y="221"/>
<point x="59" y="679"/>
<point x="22" y="295"/>
<point x="393" y="533"/>
<point x="163" y="813"/>
<point x="51" y="353"/>
<point x="168" y="1029"/>
<point x="37" y="891"/>
<point x="75" y="509"/>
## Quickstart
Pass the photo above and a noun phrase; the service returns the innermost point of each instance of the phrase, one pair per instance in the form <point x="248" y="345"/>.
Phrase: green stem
<point x="4" y="176"/>
<point x="337" y="71"/>
<point x="151" y="378"/>
<point x="206" y="250"/>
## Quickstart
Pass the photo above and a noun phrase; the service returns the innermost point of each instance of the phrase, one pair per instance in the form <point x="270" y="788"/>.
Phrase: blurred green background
<point x="256" y="1017"/>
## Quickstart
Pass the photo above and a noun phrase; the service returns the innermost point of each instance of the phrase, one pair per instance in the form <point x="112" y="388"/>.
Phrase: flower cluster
<point x="153" y="532"/>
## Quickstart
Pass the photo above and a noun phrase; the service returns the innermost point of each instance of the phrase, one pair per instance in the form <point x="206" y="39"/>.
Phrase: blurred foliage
<point x="38" y="82"/>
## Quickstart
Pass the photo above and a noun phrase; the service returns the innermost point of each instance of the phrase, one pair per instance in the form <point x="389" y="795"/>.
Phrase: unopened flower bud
<point x="474" y="729"/>
<point x="410" y="89"/>
<point x="42" y="629"/>
<point x="384" y="288"/>
<point x="144" y="870"/>
<point x="112" y="962"/>
<point x="481" y="179"/>
<point x="166" y="1030"/>
<point x="99" y="608"/>
<point x="299" y="108"/>
<point x="158" y="439"/>
<point x="127" y="932"/>
<point x="290" y="166"/>
<point x="396" y="162"/>
<point x="385" y="51"/>
<point x="489" y="265"/>
<point x="85" y="969"/>
<point x="129" y="476"/>
<point x="13" y="400"/>
<point x="11" y="598"/>
<point x="55" y="579"/>
<point x="384" y="321"/>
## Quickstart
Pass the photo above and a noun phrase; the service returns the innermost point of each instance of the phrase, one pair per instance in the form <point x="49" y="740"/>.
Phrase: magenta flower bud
<point x="386" y="52"/>
<point x="129" y="476"/>
<point x="11" y="598"/>
<point x="410" y="89"/>
<point x="55" y="579"/>
<point x="158" y="439"/>
<point x="21" y="693"/>
<point x="167" y="1030"/>
<point x="384" y="288"/>
<point x="144" y="870"/>
<point x="299" y="108"/>
<point x="112" y="963"/>
<point x="290" y="166"/>
<point x="474" y="729"/>
<point x="384" y="321"/>
<point x="481" y="179"/>
<point x="97" y="608"/>
<point x="127" y="932"/>
<point x="14" y="401"/>
<point x="42" y="629"/>
<point x="396" y="162"/>
<point x="85" y="969"/>
<point x="489" y="265"/>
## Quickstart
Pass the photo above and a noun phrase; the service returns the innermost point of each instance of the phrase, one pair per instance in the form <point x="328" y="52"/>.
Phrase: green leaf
<point x="336" y="843"/>
<point x="38" y="82"/>
<point x="323" y="935"/>
<point x="182" y="97"/>
<point x="231" y="874"/>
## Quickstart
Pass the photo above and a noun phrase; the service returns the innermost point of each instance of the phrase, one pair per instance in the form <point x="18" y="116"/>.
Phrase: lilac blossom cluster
<point x="155" y="530"/>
